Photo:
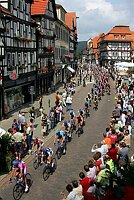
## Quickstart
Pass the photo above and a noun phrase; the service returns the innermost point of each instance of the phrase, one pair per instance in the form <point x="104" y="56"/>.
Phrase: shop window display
<point x="13" y="99"/>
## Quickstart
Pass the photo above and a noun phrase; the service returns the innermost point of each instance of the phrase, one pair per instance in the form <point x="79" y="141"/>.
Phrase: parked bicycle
<point x="19" y="187"/>
<point x="49" y="169"/>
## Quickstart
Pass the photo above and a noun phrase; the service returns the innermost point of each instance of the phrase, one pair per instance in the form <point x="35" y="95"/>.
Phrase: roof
<point x="39" y="7"/>
<point x="120" y="29"/>
<point x="117" y="30"/>
<point x="70" y="19"/>
<point x="5" y="11"/>
<point x="60" y="6"/>
<point x="95" y="41"/>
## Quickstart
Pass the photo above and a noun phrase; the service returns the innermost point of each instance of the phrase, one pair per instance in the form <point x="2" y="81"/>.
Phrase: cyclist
<point x="60" y="139"/>
<point x="80" y="123"/>
<point x="86" y="108"/>
<point x="68" y="133"/>
<point x="20" y="170"/>
<point x="47" y="153"/>
<point x="72" y="121"/>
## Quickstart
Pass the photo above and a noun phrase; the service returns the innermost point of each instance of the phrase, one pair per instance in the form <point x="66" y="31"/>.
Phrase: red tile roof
<point x="95" y="41"/>
<point x="119" y="31"/>
<point x="70" y="19"/>
<point x="39" y="7"/>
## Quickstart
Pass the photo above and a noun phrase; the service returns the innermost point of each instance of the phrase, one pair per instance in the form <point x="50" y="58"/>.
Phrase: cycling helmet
<point x="65" y="122"/>
<point x="58" y="134"/>
<point x="44" y="149"/>
<point x="15" y="163"/>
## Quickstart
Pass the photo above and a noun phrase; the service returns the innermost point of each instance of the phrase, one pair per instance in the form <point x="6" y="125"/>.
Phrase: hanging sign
<point x="13" y="76"/>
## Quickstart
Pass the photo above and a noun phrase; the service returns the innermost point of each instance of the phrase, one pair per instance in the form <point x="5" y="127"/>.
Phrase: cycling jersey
<point x="48" y="151"/>
<point x="21" y="165"/>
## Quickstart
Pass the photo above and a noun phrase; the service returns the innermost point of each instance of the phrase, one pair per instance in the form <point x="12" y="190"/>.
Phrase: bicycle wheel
<point x="54" y="161"/>
<point x="79" y="132"/>
<point x="29" y="180"/>
<point x="36" y="162"/>
<point x="18" y="191"/>
<point x="59" y="154"/>
<point x="46" y="173"/>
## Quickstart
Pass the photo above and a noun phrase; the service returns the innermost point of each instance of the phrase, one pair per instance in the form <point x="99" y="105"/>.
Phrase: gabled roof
<point x="39" y="7"/>
<point x="120" y="29"/>
<point x="95" y="41"/>
<point x="70" y="19"/>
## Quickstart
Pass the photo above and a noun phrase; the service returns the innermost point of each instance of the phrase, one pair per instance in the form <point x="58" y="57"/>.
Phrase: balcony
<point x="23" y="38"/>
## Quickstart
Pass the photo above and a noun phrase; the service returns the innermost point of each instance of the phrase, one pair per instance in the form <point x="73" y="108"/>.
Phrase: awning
<point x="70" y="69"/>
<point x="63" y="66"/>
<point x="2" y="132"/>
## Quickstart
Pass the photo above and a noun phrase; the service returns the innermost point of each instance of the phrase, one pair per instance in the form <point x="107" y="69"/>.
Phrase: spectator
<point x="78" y="189"/>
<point x="102" y="148"/>
<point x="40" y="102"/>
<point x="113" y="136"/>
<point x="98" y="161"/>
<point x="127" y="138"/>
<point x="112" y="152"/>
<point x="57" y="98"/>
<point x="72" y="194"/>
<point x="64" y="95"/>
<point x="69" y="103"/>
<point x="106" y="140"/>
<point x="123" y="155"/>
<point x="18" y="138"/>
<point x="85" y="182"/>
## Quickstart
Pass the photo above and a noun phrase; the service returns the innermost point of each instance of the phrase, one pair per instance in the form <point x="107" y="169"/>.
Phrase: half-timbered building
<point x="44" y="13"/>
<point x="61" y="44"/>
<point x="71" y="21"/>
<point x="19" y="64"/>
<point x="115" y="45"/>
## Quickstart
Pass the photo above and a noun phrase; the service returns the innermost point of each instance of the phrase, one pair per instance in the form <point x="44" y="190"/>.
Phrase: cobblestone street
<point x="78" y="152"/>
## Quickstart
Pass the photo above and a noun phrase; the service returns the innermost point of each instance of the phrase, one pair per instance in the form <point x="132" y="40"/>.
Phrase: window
<point x="21" y="5"/>
<point x="123" y="36"/>
<point x="8" y="61"/>
<point x="21" y="30"/>
<point x="15" y="3"/>
<point x="27" y="8"/>
<point x="25" y="58"/>
<point x="19" y="58"/>
<point x="116" y="36"/>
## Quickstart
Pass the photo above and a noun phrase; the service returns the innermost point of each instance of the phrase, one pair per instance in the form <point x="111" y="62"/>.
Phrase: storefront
<point x="17" y="92"/>
<point x="44" y="82"/>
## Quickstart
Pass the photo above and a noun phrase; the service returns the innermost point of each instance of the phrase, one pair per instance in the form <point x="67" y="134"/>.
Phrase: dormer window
<point x="123" y="36"/>
<point x="116" y="36"/>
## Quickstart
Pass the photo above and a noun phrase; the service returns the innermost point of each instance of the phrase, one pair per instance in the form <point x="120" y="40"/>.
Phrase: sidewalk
<point x="5" y="124"/>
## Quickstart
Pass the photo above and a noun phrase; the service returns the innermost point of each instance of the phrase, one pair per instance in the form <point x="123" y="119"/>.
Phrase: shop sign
<point x="13" y="76"/>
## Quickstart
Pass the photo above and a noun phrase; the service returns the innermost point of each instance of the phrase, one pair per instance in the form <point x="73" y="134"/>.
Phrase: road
<point x="78" y="153"/>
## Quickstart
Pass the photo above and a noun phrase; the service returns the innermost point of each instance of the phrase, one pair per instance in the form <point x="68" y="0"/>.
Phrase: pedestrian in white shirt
<point x="64" y="95"/>
<point x="69" y="103"/>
